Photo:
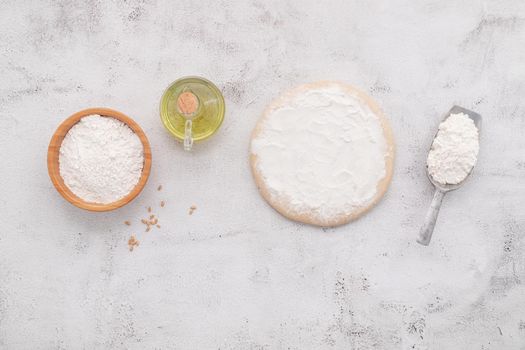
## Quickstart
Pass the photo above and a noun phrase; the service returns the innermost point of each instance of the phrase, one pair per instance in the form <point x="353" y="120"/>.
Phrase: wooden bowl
<point x="54" y="168"/>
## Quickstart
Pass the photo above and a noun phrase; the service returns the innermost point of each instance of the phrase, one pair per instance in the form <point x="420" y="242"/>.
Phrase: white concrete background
<point x="236" y="275"/>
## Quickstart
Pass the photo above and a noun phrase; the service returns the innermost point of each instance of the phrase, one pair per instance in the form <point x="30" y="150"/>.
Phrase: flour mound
<point x="101" y="159"/>
<point x="455" y="150"/>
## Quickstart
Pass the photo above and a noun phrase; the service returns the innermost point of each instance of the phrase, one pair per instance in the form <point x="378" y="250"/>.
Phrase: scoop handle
<point x="425" y="234"/>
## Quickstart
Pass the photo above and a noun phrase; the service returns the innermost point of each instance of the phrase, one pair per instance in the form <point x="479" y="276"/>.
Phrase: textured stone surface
<point x="236" y="275"/>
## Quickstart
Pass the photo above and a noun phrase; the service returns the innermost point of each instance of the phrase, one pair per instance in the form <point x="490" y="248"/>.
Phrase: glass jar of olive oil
<point x="192" y="109"/>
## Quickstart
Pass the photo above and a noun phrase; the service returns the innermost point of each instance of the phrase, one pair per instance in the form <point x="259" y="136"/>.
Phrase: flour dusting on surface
<point x="101" y="159"/>
<point x="455" y="150"/>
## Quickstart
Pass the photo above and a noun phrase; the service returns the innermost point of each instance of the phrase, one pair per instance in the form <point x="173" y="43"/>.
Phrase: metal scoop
<point x="425" y="234"/>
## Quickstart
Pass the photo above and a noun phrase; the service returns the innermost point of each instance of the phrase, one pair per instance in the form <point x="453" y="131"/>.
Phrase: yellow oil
<point x="209" y="115"/>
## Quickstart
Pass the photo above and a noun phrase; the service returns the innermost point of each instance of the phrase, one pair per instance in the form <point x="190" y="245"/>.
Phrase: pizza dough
<point x="322" y="154"/>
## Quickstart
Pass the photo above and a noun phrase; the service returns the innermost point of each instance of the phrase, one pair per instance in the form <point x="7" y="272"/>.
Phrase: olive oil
<point x="205" y="113"/>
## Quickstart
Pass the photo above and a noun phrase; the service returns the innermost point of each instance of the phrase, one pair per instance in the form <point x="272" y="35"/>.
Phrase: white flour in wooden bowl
<point x="101" y="159"/>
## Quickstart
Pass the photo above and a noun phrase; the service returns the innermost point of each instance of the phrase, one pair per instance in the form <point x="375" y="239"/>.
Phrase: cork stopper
<point x="187" y="103"/>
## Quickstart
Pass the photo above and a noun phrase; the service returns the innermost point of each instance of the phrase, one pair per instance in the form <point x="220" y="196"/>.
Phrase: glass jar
<point x="192" y="109"/>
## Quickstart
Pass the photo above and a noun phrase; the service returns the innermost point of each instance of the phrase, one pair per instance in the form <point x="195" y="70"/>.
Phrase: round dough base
<point x="280" y="204"/>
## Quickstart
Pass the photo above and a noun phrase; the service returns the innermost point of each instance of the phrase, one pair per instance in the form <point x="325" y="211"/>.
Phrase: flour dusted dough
<point x="313" y="187"/>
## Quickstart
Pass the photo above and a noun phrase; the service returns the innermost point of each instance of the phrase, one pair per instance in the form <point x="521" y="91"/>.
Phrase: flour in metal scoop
<point x="454" y="151"/>
<point x="101" y="159"/>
